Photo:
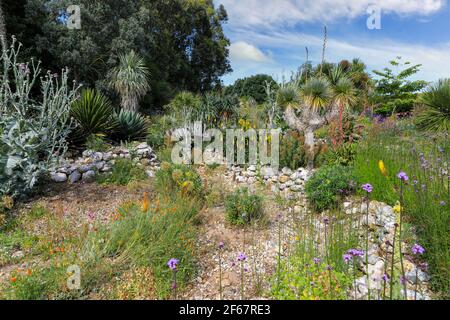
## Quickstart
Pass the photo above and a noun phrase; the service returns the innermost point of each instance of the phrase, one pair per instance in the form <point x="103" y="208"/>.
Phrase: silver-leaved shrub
<point x="34" y="120"/>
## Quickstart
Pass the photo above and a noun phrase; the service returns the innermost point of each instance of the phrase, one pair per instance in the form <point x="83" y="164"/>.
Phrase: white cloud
<point x="243" y="51"/>
<point x="281" y="12"/>
<point x="289" y="48"/>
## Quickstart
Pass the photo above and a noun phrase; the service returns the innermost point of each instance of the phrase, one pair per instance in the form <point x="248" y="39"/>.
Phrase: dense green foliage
<point x="182" y="42"/>
<point x="327" y="186"/>
<point x="394" y="93"/>
<point x="123" y="172"/>
<point x="242" y="207"/>
<point x="173" y="180"/>
<point x="93" y="114"/>
<point x="33" y="132"/>
<point x="253" y="87"/>
<point x="292" y="152"/>
<point x="426" y="194"/>
<point x="129" y="126"/>
<point x="435" y="115"/>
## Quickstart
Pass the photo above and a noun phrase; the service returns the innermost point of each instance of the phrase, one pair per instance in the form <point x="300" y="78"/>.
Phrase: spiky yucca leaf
<point x="436" y="114"/>
<point x="130" y="79"/>
<point x="93" y="114"/>
<point x="344" y="92"/>
<point x="317" y="93"/>
<point x="288" y="96"/>
<point x="130" y="126"/>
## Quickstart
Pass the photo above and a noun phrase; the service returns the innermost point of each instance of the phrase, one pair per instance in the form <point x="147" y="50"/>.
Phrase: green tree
<point x="253" y="87"/>
<point x="394" y="92"/>
<point x="181" y="41"/>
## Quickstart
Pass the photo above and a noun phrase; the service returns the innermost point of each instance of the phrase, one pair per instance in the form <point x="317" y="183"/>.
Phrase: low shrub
<point x="96" y="142"/>
<point x="122" y="173"/>
<point x="327" y="186"/>
<point x="424" y="158"/>
<point x="298" y="280"/>
<point x="292" y="153"/>
<point x="93" y="114"/>
<point x="130" y="126"/>
<point x="242" y="207"/>
<point x="174" y="180"/>
<point x="149" y="238"/>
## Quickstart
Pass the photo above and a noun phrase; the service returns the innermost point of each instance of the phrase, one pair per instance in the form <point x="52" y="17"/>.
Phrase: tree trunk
<point x="130" y="103"/>
<point x="309" y="147"/>
<point x="2" y="24"/>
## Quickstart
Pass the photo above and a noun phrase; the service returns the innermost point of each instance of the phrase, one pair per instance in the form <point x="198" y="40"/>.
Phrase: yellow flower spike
<point x="382" y="168"/>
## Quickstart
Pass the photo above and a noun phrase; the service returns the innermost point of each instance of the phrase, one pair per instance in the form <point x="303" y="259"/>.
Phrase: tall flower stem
<point x="400" y="239"/>
<point x="367" y="247"/>
<point x="391" y="284"/>
<point x="242" y="280"/>
<point x="220" y="274"/>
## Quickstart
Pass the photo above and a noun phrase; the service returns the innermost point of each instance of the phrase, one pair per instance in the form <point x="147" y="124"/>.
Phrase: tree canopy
<point x="182" y="42"/>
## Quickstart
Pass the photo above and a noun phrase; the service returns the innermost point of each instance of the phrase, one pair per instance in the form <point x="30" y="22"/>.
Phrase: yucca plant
<point x="130" y="80"/>
<point x="130" y="126"/>
<point x="316" y="93"/>
<point x="308" y="109"/>
<point x="435" y="116"/>
<point x="93" y="114"/>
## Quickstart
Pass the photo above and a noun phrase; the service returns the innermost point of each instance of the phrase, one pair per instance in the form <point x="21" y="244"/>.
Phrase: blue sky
<point x="269" y="36"/>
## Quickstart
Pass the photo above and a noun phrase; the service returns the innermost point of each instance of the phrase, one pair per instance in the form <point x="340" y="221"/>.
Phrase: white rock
<point x="75" y="176"/>
<point x="286" y="171"/>
<point x="59" y="177"/>
<point x="99" y="165"/>
<point x="150" y="173"/>
<point x="296" y="188"/>
<point x="268" y="171"/>
<point x="88" y="176"/>
<point x="252" y="168"/>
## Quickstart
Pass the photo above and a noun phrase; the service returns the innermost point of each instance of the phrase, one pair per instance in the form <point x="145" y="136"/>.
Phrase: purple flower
<point x="329" y="268"/>
<point x="355" y="253"/>
<point x="417" y="249"/>
<point x="316" y="260"/>
<point x="326" y="221"/>
<point x="367" y="187"/>
<point x="423" y="266"/>
<point x="242" y="257"/>
<point x="402" y="176"/>
<point x="442" y="203"/>
<point x="172" y="264"/>
<point x="221" y="245"/>
<point x="347" y="257"/>
<point x="402" y="280"/>
<point x="385" y="277"/>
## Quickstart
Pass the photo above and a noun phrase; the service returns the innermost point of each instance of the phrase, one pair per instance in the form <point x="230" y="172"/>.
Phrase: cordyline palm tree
<point x="435" y="116"/>
<point x="130" y="80"/>
<point x="344" y="96"/>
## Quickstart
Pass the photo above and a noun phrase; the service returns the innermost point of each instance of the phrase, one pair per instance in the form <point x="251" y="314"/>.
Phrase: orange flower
<point x="13" y="279"/>
<point x="51" y="251"/>
<point x="29" y="272"/>
<point x="145" y="202"/>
